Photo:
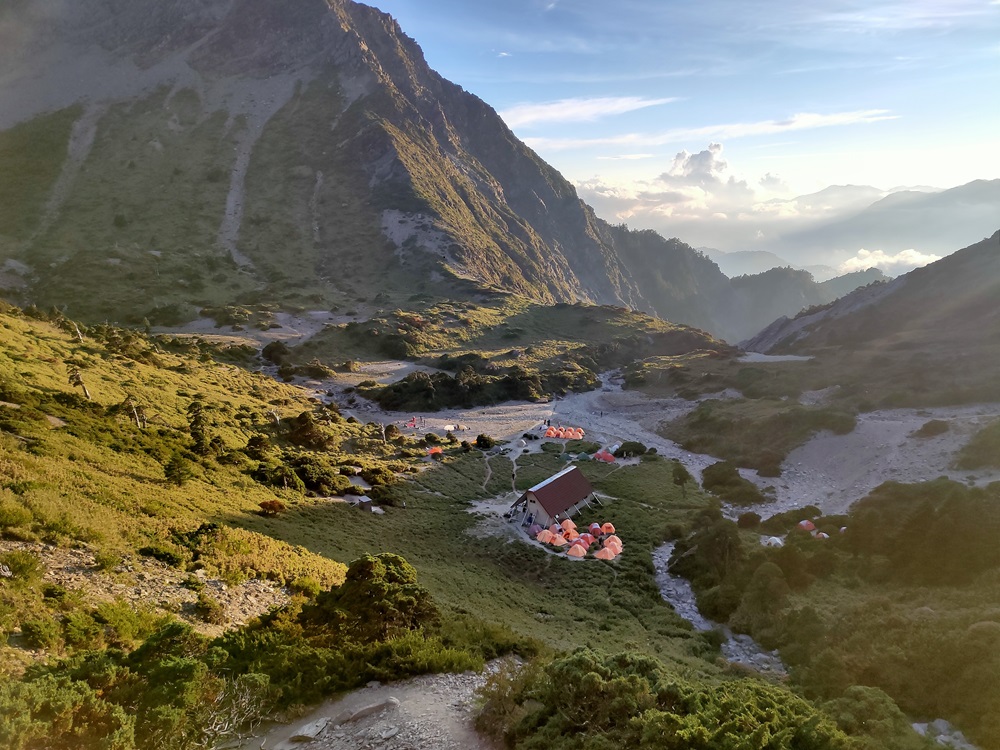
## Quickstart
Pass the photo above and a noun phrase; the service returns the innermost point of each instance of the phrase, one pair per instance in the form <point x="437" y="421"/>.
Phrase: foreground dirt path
<point x="432" y="712"/>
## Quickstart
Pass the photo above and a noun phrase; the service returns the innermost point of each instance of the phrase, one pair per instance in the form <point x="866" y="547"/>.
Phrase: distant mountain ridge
<point x="902" y="220"/>
<point x="197" y="153"/>
<point x="952" y="305"/>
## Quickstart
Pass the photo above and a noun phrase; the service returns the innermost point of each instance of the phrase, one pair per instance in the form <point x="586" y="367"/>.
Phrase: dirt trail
<point x="434" y="712"/>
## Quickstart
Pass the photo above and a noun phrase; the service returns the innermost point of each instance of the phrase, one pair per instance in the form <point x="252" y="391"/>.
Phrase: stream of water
<point x="742" y="649"/>
<point x="737" y="648"/>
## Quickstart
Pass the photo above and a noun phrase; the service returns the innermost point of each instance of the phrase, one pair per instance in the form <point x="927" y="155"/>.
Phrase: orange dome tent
<point x="568" y="524"/>
<point x="434" y="450"/>
<point x="559" y="541"/>
<point x="544" y="536"/>
<point x="577" y="551"/>
<point x="607" y="528"/>
<point x="581" y="541"/>
<point x="606" y="554"/>
<point x="588" y="538"/>
<point x="551" y="432"/>
<point x="571" y="535"/>
<point x="613" y="539"/>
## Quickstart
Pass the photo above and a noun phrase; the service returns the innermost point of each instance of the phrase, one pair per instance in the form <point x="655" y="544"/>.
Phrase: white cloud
<point x="901" y="262"/>
<point x="773" y="183"/>
<point x="504" y="54"/>
<point x="800" y="121"/>
<point x="702" y="168"/>
<point x="905" y="16"/>
<point x="695" y="186"/>
<point x="576" y="110"/>
<point x="626" y="157"/>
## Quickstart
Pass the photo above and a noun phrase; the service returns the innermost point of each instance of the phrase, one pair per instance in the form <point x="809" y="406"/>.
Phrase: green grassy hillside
<point x="128" y="447"/>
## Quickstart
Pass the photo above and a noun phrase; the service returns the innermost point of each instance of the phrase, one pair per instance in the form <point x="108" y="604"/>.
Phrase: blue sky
<point x="667" y="112"/>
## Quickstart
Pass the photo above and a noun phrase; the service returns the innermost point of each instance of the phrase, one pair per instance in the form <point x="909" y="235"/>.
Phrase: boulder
<point x="346" y="717"/>
<point x="311" y="731"/>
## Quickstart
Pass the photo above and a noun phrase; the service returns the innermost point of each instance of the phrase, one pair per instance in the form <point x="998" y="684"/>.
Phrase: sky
<point x="709" y="117"/>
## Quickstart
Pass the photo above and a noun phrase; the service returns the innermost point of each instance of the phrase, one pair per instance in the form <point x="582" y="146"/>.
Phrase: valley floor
<point x="833" y="471"/>
<point x="830" y="471"/>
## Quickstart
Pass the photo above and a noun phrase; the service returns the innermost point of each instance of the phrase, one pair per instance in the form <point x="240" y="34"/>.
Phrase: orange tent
<point x="605" y="457"/>
<point x="616" y="548"/>
<point x="581" y="541"/>
<point x="545" y="536"/>
<point x="551" y="432"/>
<point x="613" y="540"/>
<point x="606" y="554"/>
<point x="579" y="432"/>
<point x="559" y="541"/>
<point x="588" y="538"/>
<point x="568" y="524"/>
<point x="577" y="551"/>
<point x="607" y="528"/>
<point x="571" y="535"/>
<point x="435" y="449"/>
<point x="560" y="433"/>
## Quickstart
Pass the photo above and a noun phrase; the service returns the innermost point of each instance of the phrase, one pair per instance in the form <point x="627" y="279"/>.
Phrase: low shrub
<point x="25" y="566"/>
<point x="210" y="610"/>
<point x="164" y="554"/>
<point x="44" y="633"/>
<point x="932" y="428"/>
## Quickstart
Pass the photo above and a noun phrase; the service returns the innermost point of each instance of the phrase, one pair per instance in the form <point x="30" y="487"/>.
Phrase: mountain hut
<point x="561" y="495"/>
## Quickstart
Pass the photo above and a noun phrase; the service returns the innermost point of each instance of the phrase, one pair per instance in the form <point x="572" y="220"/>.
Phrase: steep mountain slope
<point x="161" y="157"/>
<point x="937" y="327"/>
<point x="840" y="285"/>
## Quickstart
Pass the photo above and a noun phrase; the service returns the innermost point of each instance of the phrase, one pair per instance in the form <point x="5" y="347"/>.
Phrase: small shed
<point x="562" y="495"/>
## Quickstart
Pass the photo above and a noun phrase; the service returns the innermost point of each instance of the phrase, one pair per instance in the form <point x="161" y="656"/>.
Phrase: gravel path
<point x="432" y="712"/>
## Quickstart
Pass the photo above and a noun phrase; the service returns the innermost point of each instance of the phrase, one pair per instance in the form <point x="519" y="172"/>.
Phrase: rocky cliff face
<point x="188" y="153"/>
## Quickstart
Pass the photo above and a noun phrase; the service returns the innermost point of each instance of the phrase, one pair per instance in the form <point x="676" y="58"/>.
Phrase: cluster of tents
<point x="568" y="433"/>
<point x="805" y="525"/>
<point x="609" y="546"/>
